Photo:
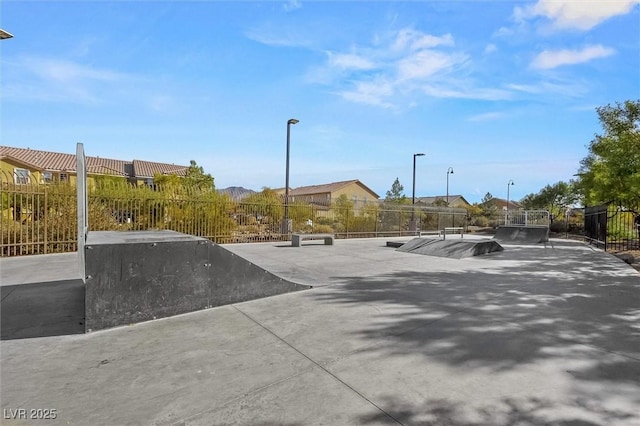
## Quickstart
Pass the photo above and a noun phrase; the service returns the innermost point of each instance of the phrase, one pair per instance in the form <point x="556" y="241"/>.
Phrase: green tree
<point x="611" y="170"/>
<point x="554" y="198"/>
<point x="344" y="210"/>
<point x="194" y="178"/>
<point x="396" y="193"/>
<point x="266" y="203"/>
<point x="486" y="199"/>
<point x="490" y="210"/>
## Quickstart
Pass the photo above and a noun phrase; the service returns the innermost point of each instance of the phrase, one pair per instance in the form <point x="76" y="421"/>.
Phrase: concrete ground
<point x="543" y="334"/>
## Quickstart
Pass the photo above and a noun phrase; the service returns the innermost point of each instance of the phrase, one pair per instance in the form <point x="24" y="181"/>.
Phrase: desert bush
<point x="323" y="229"/>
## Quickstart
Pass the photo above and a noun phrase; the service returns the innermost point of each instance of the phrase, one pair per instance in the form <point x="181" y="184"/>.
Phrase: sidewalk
<point x="536" y="334"/>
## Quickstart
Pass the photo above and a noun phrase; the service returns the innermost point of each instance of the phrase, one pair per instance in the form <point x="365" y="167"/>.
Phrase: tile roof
<point x="40" y="160"/>
<point x="433" y="198"/>
<point x="327" y="188"/>
<point x="147" y="169"/>
<point x="60" y="162"/>
<point x="106" y="166"/>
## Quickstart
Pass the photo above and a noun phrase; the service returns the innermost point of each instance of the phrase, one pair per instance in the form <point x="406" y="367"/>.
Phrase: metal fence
<point x="527" y="218"/>
<point x="613" y="227"/>
<point x="42" y="218"/>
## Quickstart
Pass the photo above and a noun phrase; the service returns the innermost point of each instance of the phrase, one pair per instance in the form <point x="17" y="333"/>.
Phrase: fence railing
<point x="613" y="227"/>
<point x="42" y="218"/>
<point x="527" y="217"/>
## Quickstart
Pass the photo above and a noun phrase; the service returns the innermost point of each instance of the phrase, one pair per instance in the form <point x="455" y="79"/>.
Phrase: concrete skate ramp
<point x="455" y="249"/>
<point x="140" y="276"/>
<point x="522" y="234"/>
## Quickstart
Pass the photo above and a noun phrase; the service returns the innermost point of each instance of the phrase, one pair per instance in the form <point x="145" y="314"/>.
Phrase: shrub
<point x="323" y="229"/>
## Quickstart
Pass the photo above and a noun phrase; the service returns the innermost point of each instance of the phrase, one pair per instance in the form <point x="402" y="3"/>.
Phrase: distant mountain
<point x="237" y="193"/>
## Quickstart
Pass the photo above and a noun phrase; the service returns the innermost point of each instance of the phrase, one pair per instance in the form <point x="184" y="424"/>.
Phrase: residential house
<point x="24" y="165"/>
<point x="144" y="171"/>
<point x="501" y="204"/>
<point x="322" y="196"/>
<point x="457" y="201"/>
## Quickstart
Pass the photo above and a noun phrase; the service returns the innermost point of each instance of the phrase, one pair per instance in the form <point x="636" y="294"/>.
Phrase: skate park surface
<point x="536" y="334"/>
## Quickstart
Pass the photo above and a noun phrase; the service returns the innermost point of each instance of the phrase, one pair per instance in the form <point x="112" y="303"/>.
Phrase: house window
<point x="47" y="177"/>
<point x="21" y="176"/>
<point x="64" y="177"/>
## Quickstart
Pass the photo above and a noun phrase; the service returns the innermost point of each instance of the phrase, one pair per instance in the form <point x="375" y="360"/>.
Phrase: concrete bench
<point x="453" y="230"/>
<point x="296" y="239"/>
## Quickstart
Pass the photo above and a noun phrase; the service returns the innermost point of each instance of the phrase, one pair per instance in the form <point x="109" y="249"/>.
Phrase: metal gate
<point x="614" y="226"/>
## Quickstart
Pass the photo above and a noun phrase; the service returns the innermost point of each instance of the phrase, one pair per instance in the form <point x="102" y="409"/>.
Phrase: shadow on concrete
<point x="576" y="314"/>
<point x="442" y="412"/>
<point x="42" y="309"/>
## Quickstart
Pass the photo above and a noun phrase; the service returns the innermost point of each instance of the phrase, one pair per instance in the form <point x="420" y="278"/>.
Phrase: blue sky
<point x="498" y="90"/>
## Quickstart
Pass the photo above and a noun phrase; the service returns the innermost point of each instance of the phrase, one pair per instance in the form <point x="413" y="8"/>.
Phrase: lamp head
<point x="420" y="154"/>
<point x="293" y="121"/>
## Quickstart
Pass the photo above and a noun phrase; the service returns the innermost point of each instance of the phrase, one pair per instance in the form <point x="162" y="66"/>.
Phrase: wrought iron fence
<point x="42" y="218"/>
<point x="613" y="227"/>
<point x="37" y="218"/>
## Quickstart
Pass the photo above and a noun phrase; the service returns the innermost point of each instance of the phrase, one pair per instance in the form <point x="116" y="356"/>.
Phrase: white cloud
<point x="372" y="92"/>
<point x="467" y="91"/>
<point x="504" y="32"/>
<point x="552" y="59"/>
<point x="66" y="71"/>
<point x="349" y="61"/>
<point x="575" y="14"/>
<point x="490" y="48"/>
<point x="271" y="37"/>
<point x="426" y="63"/>
<point x="395" y="65"/>
<point x="567" y="88"/>
<point x="526" y="88"/>
<point x="46" y="79"/>
<point x="409" y="39"/>
<point x="58" y="80"/>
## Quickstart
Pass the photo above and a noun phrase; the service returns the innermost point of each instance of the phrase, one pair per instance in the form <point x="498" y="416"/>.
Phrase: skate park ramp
<point x="143" y="275"/>
<point x="131" y="277"/>
<point x="454" y="249"/>
<point x="522" y="234"/>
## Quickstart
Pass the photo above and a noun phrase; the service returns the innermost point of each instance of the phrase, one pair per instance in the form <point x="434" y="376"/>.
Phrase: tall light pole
<point x="449" y="172"/>
<point x="285" y="223"/>
<point x="506" y="217"/>
<point x="413" y="193"/>
<point x="453" y="218"/>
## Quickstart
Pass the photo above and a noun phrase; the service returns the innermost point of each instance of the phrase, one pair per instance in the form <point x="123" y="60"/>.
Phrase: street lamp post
<point x="285" y="228"/>
<point x="449" y="172"/>
<point x="413" y="226"/>
<point x="506" y="217"/>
